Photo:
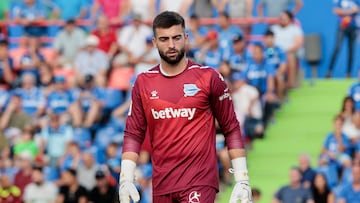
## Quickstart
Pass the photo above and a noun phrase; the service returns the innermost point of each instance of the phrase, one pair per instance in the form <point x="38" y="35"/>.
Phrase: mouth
<point x="172" y="53"/>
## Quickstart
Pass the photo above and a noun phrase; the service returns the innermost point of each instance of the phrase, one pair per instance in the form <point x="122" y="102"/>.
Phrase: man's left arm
<point x="223" y="109"/>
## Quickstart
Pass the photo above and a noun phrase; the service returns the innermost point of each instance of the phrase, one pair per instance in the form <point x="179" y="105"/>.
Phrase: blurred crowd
<point x="64" y="99"/>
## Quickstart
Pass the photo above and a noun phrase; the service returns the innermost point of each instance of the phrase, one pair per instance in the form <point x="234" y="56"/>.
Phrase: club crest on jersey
<point x="190" y="90"/>
<point x="154" y="95"/>
<point x="194" y="197"/>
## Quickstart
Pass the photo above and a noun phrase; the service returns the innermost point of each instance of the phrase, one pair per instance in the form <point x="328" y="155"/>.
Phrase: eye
<point x="163" y="39"/>
<point x="177" y="38"/>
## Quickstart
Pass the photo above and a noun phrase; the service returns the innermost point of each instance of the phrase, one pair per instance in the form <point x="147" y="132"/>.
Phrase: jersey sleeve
<point x="223" y="110"/>
<point x="135" y="129"/>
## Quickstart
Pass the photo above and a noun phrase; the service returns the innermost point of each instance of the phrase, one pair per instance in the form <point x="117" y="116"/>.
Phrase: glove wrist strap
<point x="239" y="169"/>
<point x="127" y="170"/>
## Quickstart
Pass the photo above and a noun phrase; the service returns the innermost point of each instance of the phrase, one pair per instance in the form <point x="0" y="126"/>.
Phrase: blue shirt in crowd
<point x="257" y="74"/>
<point x="58" y="102"/>
<point x="226" y="38"/>
<point x="349" y="194"/>
<point x="238" y="62"/>
<point x="275" y="56"/>
<point x="331" y="144"/>
<point x="32" y="99"/>
<point x="347" y="5"/>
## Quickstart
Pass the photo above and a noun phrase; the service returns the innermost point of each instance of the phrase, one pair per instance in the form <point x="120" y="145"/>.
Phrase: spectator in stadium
<point x="26" y="143"/>
<point x="86" y="171"/>
<point x="289" y="37"/>
<point x="31" y="59"/>
<point x="352" y="130"/>
<point x="91" y="100"/>
<point x="320" y="191"/>
<point x="277" y="57"/>
<point x="103" y="191"/>
<point x="121" y="73"/>
<point x="329" y="170"/>
<point x="307" y="173"/>
<point x="54" y="138"/>
<point x="112" y="10"/>
<point x="204" y="8"/>
<point x="46" y="78"/>
<point x="295" y="191"/>
<point x="348" y="110"/>
<point x="197" y="35"/>
<point x="143" y="8"/>
<point x="211" y="54"/>
<point x="69" y="41"/>
<point x="61" y="102"/>
<point x="336" y="143"/>
<point x="92" y="61"/>
<point x="180" y="6"/>
<point x="107" y="36"/>
<point x="71" y="191"/>
<point x="227" y="32"/>
<point x="260" y="74"/>
<point x="23" y="176"/>
<point x="350" y="192"/>
<point x="237" y="10"/>
<point x="67" y="10"/>
<point x="14" y="120"/>
<point x="8" y="167"/>
<point x="346" y="11"/>
<point x="39" y="190"/>
<point x="10" y="192"/>
<point x="71" y="158"/>
<point x="240" y="55"/>
<point x="6" y="64"/>
<point x="148" y="60"/>
<point x="132" y="38"/>
<point x="247" y="105"/>
<point x="31" y="14"/>
<point x="113" y="159"/>
<point x="33" y="101"/>
<point x="273" y="8"/>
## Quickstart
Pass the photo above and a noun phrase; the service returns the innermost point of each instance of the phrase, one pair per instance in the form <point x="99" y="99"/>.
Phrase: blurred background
<point x="67" y="67"/>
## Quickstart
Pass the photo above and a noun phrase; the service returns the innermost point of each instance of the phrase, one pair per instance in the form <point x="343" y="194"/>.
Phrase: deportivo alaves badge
<point x="190" y="90"/>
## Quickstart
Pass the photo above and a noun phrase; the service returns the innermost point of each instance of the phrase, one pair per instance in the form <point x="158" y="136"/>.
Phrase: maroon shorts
<point x="196" y="194"/>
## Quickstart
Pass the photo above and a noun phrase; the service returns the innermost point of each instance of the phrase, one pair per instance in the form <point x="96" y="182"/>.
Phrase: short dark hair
<point x="168" y="19"/>
<point x="71" y="171"/>
<point x="269" y="33"/>
<point x="289" y="14"/>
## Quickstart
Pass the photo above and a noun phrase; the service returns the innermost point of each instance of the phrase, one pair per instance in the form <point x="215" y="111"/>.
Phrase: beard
<point x="173" y="60"/>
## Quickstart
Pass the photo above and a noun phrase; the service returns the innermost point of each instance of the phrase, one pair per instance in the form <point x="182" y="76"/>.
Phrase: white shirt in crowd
<point x="134" y="39"/>
<point x="285" y="36"/>
<point x="45" y="193"/>
<point x="242" y="98"/>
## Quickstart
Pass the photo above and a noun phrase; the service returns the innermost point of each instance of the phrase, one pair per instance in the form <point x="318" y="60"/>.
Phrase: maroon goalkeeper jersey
<point x="178" y="113"/>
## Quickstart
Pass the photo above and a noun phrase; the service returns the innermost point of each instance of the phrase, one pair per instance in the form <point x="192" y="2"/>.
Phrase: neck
<point x="295" y="185"/>
<point x="173" y="69"/>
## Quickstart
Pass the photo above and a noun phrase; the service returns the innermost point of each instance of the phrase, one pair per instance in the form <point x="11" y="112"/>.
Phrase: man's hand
<point x="127" y="189"/>
<point x="242" y="190"/>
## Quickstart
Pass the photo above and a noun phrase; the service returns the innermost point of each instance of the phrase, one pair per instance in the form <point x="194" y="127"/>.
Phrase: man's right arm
<point x="134" y="136"/>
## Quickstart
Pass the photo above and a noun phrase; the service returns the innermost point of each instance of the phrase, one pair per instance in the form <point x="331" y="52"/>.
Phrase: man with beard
<point x="39" y="191"/>
<point x="175" y="104"/>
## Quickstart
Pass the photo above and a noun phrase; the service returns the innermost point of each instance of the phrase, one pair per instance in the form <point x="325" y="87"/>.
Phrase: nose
<point x="171" y="43"/>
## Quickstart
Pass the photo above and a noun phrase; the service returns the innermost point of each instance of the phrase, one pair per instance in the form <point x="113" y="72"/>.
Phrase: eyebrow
<point x="166" y="37"/>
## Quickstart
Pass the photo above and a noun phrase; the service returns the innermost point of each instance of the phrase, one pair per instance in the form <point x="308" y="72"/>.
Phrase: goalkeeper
<point x="175" y="104"/>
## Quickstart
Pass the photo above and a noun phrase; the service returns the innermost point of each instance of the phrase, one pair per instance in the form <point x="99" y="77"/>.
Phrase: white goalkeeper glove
<point x="242" y="190"/>
<point x="127" y="189"/>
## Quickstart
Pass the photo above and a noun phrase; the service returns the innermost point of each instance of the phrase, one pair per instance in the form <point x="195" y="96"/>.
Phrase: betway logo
<point x="174" y="113"/>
